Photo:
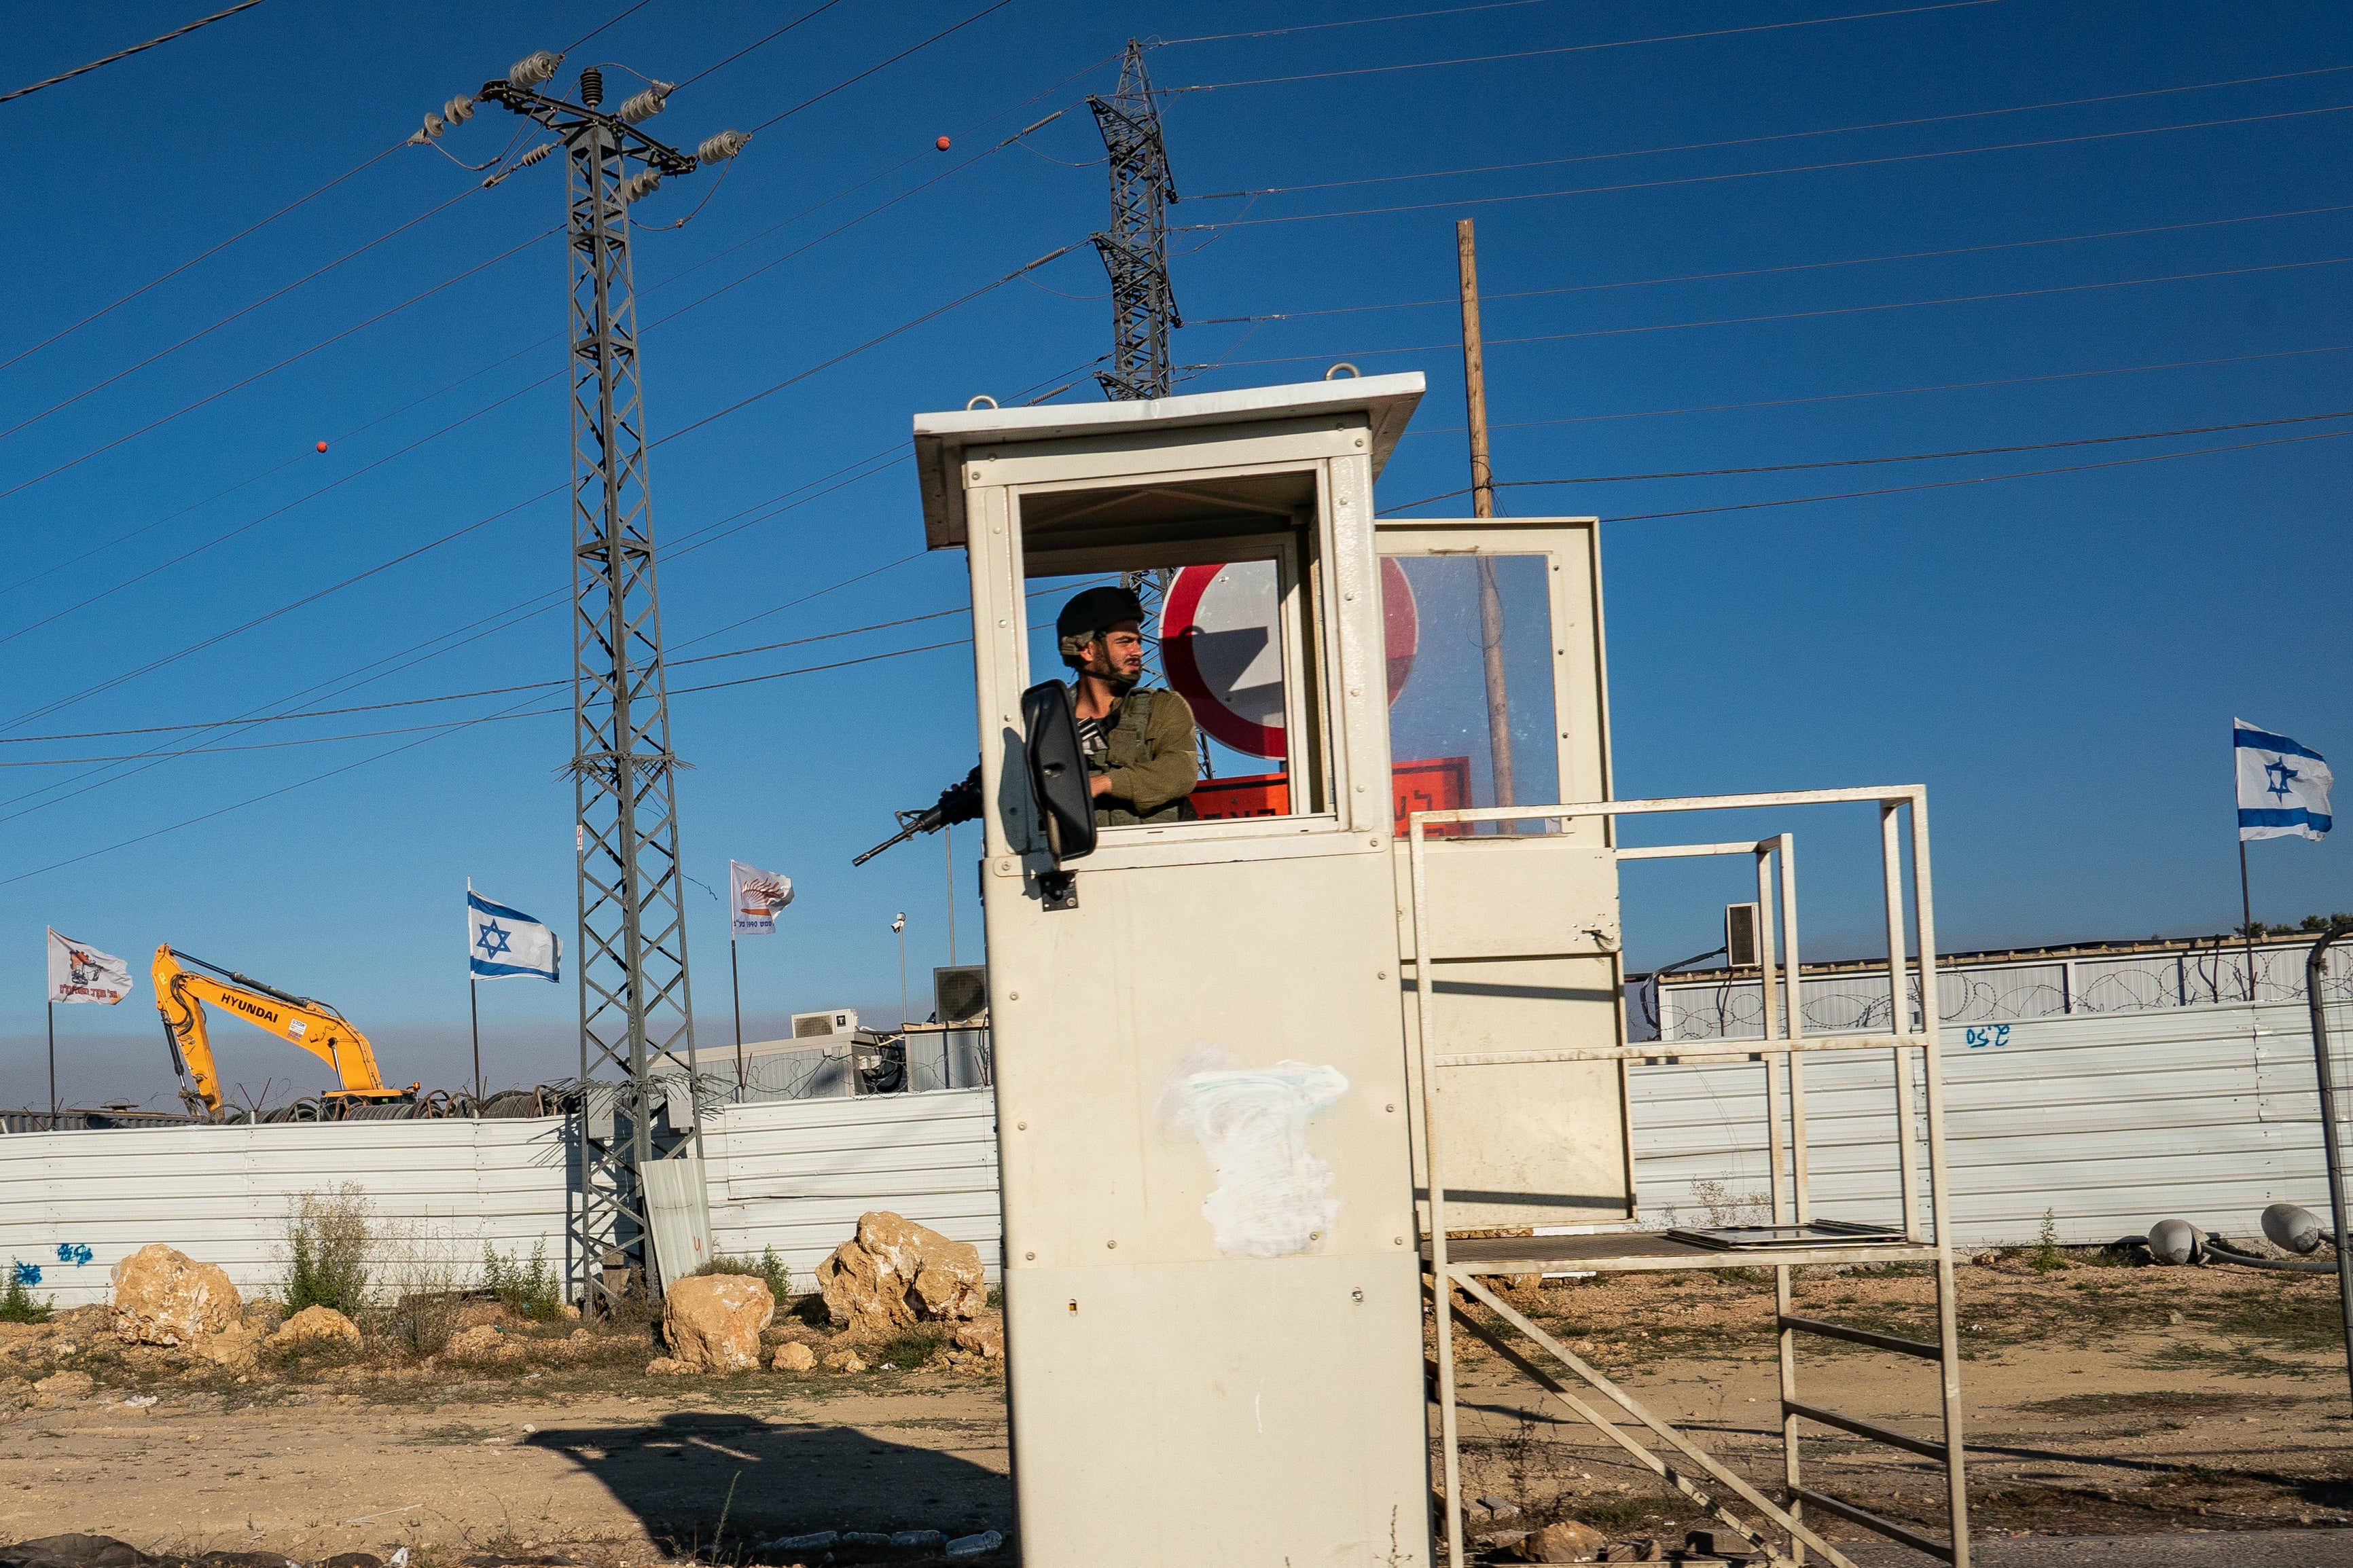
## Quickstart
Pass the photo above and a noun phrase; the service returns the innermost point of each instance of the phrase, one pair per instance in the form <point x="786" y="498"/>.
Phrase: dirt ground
<point x="2101" y="1401"/>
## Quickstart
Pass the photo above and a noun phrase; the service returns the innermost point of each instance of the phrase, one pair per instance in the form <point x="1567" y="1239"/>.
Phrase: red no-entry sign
<point x="1222" y="646"/>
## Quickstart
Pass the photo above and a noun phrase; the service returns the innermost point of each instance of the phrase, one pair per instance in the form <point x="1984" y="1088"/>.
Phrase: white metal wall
<point x="794" y="1174"/>
<point x="2110" y="1122"/>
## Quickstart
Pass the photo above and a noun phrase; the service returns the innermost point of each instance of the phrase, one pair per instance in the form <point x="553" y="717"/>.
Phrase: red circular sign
<point x="1220" y="644"/>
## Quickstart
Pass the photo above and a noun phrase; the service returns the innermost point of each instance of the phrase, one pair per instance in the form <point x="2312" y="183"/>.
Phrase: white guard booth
<point x="1212" y="1269"/>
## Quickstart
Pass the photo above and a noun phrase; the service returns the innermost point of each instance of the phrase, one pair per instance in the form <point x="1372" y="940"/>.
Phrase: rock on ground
<point x="712" y="1321"/>
<point x="67" y="1385"/>
<point x="164" y="1297"/>
<point x="894" y="1272"/>
<point x="845" y="1361"/>
<point x="794" y="1357"/>
<point x="667" y="1366"/>
<point x="1568" y="1542"/>
<point x="983" y="1339"/>
<point x="316" y="1323"/>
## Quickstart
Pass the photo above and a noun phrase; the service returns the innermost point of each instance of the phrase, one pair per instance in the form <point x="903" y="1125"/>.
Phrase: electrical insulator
<point x="433" y="128"/>
<point x="525" y="161"/>
<point x="459" y="109"/>
<point x="592" y="87"/>
<point x="644" y="105"/>
<point x="639" y="185"/>
<point x="720" y="148"/>
<point x="532" y="70"/>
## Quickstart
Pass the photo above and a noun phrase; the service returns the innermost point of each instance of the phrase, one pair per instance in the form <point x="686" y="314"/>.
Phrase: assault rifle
<point x="957" y="802"/>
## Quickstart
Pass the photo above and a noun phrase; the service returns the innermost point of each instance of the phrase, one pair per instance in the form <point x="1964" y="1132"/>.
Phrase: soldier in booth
<point x="1141" y="758"/>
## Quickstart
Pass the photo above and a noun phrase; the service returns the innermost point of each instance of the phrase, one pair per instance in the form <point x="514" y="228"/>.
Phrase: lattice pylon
<point x="1135" y="248"/>
<point x="635" y="1008"/>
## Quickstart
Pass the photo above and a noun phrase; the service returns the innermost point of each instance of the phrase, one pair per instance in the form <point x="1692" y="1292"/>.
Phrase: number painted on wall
<point x="1980" y="1036"/>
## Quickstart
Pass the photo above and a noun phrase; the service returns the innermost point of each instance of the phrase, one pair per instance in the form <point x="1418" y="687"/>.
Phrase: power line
<point x="1792" y="266"/>
<point x="608" y="22"/>
<point x="239" y="312"/>
<point x="272" y="370"/>
<point x="1894" y="390"/>
<point x="1582" y="48"/>
<point x="1901" y="457"/>
<point x="894" y="60"/>
<point x="1762" y="173"/>
<point x="757" y="43"/>
<point x="1775" y="136"/>
<point x="1979" y="479"/>
<point x="135" y="48"/>
<point x="1353" y="21"/>
<point x="1836" y="310"/>
<point x="161" y="278"/>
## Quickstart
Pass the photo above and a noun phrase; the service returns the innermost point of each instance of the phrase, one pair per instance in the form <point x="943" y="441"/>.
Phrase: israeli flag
<point x="2282" y="787"/>
<point x="508" y="944"/>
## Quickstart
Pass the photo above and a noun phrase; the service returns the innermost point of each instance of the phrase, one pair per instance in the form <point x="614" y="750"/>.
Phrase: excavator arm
<point x="181" y="995"/>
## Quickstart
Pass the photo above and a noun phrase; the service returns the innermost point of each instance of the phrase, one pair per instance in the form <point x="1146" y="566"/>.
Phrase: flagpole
<point x="948" y="839"/>
<point x="735" y="987"/>
<point x="474" y="1010"/>
<point x="2247" y="915"/>
<point x="53" y="1066"/>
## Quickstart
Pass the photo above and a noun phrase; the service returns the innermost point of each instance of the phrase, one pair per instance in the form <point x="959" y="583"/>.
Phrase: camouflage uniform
<point x="1149" y="751"/>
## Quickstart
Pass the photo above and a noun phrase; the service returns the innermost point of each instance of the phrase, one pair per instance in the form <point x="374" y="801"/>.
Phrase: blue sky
<point x="2020" y="208"/>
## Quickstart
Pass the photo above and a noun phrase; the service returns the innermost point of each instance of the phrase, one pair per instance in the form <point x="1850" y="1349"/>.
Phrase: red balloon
<point x="322" y="446"/>
<point x="941" y="143"/>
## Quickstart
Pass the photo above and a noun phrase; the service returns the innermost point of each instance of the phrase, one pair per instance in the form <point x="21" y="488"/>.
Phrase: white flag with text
<point x="754" y="897"/>
<point x="80" y="973"/>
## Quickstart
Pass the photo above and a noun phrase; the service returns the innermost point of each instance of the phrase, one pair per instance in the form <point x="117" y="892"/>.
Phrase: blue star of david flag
<point x="502" y="943"/>
<point x="2282" y="786"/>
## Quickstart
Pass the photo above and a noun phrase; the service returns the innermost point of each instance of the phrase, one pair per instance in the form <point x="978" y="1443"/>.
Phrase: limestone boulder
<point x="164" y="1297"/>
<point x="894" y="1272"/>
<point x="845" y="1361"/>
<point x="1568" y="1542"/>
<point x="237" y="1347"/>
<point x="67" y="1385"/>
<point x="315" y="1326"/>
<point x="667" y="1366"/>
<point x="794" y="1357"/>
<point x="985" y="1339"/>
<point x="712" y="1321"/>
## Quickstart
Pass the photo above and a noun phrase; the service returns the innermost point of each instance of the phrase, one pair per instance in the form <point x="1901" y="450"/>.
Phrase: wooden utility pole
<point x="1482" y="504"/>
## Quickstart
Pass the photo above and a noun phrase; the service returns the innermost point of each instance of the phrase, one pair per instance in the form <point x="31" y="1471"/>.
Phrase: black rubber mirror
<point x="1057" y="769"/>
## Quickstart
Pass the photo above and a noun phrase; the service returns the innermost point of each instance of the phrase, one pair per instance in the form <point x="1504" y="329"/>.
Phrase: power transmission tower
<point x="636" y="1012"/>
<point x="1135" y="248"/>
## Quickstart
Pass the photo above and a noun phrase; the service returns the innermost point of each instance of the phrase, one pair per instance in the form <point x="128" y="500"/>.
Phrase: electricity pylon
<point x="637" y="1011"/>
<point x="1134" y="249"/>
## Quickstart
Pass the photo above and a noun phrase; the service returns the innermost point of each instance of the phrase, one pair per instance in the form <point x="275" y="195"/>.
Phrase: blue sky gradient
<point x="1937" y="229"/>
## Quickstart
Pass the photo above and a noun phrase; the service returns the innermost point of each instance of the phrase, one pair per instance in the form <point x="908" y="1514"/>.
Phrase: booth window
<point x="1231" y="619"/>
<point x="1470" y="647"/>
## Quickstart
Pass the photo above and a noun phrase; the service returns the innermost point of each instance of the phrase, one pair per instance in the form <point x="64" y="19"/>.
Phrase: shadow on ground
<point x="788" y="1477"/>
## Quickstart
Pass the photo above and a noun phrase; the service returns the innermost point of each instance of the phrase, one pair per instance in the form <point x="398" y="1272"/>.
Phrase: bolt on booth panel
<point x="1212" y="1274"/>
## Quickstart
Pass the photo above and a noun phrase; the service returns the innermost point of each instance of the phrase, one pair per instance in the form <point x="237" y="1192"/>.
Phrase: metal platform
<point x="1632" y="1252"/>
<point x="1782" y="1533"/>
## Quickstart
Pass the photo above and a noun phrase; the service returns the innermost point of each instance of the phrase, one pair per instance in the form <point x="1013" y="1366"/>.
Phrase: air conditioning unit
<point x="960" y="992"/>
<point x="843" y="1022"/>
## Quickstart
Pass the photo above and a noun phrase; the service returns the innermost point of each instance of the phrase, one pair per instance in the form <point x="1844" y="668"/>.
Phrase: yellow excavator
<point x="181" y="995"/>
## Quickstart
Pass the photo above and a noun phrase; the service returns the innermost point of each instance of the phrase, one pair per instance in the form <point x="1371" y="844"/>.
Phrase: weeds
<point x="527" y="1289"/>
<point x="329" y="1236"/>
<point x="911" y="1347"/>
<point x="428" y="1284"/>
<point x="2046" y="1244"/>
<point x="767" y="1267"/>
<point x="1725" y="1209"/>
<point x="17" y="1303"/>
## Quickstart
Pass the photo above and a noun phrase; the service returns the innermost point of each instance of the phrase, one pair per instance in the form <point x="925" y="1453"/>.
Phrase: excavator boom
<point x="180" y="997"/>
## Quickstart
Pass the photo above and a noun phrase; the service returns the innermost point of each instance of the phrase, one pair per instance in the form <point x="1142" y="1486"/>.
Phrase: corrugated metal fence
<point x="2108" y="1123"/>
<point x="791" y="1174"/>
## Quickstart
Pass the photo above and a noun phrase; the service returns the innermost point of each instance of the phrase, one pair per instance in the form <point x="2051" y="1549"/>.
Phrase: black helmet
<point x="1087" y="615"/>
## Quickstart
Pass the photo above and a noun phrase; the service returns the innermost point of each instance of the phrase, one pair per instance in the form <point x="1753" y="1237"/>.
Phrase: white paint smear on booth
<point x="1274" y="1197"/>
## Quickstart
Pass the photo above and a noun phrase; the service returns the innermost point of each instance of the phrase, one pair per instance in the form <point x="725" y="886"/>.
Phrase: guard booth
<point x="1213" y="1278"/>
